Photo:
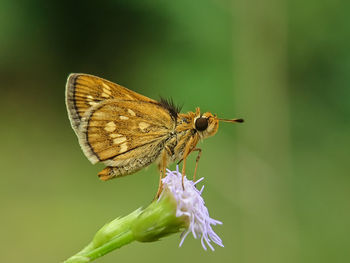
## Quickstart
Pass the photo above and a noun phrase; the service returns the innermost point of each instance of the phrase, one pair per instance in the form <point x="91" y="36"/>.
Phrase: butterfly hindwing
<point x="118" y="131"/>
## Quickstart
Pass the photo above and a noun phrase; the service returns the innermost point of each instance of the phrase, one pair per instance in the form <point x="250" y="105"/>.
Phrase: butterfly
<point x="128" y="131"/>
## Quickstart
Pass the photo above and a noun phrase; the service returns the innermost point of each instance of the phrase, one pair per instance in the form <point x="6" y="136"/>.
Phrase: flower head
<point x="191" y="205"/>
<point x="177" y="208"/>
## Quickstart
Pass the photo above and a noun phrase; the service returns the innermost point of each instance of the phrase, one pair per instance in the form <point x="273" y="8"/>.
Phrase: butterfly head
<point x="207" y="124"/>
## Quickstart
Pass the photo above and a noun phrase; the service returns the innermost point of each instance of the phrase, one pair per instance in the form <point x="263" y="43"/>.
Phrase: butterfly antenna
<point x="231" y="120"/>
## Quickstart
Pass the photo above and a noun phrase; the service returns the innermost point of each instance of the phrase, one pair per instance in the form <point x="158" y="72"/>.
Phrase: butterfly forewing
<point x="116" y="131"/>
<point x="84" y="91"/>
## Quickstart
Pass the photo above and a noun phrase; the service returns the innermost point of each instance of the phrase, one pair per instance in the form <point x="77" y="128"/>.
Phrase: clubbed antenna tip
<point x="232" y="121"/>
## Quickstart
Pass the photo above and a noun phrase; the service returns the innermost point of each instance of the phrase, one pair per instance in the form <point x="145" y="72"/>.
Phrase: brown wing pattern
<point x="116" y="131"/>
<point x="84" y="91"/>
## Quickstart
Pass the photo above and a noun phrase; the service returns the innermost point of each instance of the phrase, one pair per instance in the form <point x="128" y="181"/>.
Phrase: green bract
<point x="158" y="220"/>
<point x="150" y="224"/>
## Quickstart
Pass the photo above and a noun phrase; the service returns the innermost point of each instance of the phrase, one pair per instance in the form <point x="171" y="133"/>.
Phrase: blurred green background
<point x="279" y="182"/>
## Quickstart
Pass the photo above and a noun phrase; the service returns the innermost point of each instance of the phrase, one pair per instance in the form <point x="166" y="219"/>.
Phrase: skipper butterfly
<point x="127" y="131"/>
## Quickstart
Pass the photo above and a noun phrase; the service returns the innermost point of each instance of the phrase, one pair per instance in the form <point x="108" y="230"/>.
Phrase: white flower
<point x="191" y="204"/>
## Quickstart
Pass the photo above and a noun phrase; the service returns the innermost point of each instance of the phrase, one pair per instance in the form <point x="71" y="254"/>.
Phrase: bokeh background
<point x="279" y="182"/>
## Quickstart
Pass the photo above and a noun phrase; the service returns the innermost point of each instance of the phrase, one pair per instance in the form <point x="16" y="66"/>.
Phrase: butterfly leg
<point x="199" y="150"/>
<point x="187" y="151"/>
<point x="162" y="167"/>
<point x="160" y="187"/>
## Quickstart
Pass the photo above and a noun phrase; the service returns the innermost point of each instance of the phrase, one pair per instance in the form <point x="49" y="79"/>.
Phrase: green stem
<point x="87" y="255"/>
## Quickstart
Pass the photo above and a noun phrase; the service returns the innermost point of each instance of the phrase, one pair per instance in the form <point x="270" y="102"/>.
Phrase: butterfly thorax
<point x="184" y="132"/>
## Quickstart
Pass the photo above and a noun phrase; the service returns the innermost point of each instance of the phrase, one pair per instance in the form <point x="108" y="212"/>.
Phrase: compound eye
<point x="201" y="124"/>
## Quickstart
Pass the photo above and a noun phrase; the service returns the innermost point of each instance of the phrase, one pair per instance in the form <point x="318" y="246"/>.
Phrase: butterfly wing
<point x="84" y="91"/>
<point x="117" y="132"/>
<point x="115" y="125"/>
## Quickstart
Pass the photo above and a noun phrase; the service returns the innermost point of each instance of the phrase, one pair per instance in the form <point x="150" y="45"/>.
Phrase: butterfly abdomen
<point x="131" y="165"/>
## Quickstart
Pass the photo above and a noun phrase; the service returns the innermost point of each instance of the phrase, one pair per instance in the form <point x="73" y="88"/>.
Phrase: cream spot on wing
<point x="89" y="97"/>
<point x="143" y="125"/>
<point x="123" y="147"/>
<point x="110" y="126"/>
<point x="115" y="135"/>
<point x="92" y="103"/>
<point x="123" y="117"/>
<point x="119" y="140"/>
<point x="132" y="113"/>
<point x="105" y="86"/>
<point x="107" y="91"/>
<point x="105" y="95"/>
